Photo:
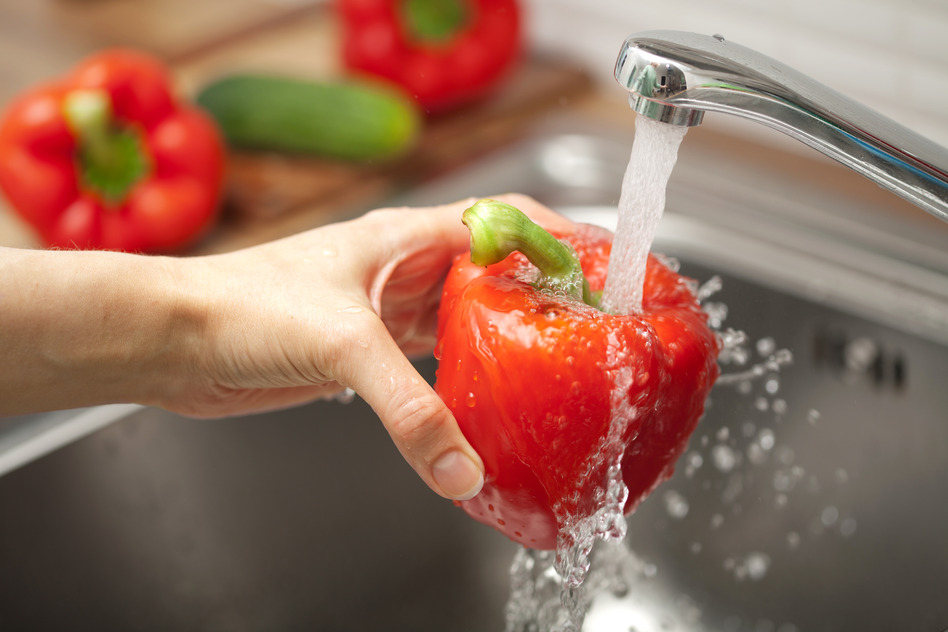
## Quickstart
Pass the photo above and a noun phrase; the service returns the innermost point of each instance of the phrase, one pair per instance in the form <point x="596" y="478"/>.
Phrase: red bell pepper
<point x="445" y="53"/>
<point x="106" y="158"/>
<point x="535" y="372"/>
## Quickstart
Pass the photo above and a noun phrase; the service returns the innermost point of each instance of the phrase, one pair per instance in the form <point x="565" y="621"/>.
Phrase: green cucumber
<point x="349" y="120"/>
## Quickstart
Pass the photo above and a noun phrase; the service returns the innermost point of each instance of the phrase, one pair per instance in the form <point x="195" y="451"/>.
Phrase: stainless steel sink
<point x="810" y="499"/>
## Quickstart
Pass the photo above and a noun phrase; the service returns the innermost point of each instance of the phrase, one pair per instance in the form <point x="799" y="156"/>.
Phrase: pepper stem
<point x="434" y="21"/>
<point x="498" y="229"/>
<point x="110" y="158"/>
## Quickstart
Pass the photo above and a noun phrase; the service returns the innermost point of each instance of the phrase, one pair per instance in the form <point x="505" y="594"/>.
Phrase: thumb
<point x="421" y="426"/>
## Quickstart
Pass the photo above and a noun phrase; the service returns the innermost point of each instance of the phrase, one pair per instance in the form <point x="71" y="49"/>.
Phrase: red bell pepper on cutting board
<point x="107" y="158"/>
<point x="445" y="53"/>
<point x="534" y="372"/>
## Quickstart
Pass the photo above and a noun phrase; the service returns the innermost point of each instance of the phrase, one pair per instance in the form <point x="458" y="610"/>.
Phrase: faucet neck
<point x="675" y="77"/>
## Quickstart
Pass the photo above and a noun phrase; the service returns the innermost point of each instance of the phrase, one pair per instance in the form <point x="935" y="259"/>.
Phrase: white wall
<point x="889" y="54"/>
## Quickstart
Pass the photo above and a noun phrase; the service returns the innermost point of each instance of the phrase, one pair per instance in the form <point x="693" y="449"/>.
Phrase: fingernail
<point x="457" y="475"/>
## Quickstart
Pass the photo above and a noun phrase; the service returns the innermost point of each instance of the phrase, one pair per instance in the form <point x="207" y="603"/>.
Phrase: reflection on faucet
<point x="675" y="77"/>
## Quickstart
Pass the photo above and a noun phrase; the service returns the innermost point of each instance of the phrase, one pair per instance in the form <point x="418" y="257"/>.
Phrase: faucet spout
<point x="675" y="77"/>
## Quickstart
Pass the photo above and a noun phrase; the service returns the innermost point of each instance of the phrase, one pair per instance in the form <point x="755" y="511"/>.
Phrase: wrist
<point x="173" y="349"/>
<point x="92" y="327"/>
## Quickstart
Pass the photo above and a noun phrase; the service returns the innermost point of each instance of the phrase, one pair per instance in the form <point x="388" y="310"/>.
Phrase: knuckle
<point x="418" y="423"/>
<point x="380" y="216"/>
<point x="523" y="202"/>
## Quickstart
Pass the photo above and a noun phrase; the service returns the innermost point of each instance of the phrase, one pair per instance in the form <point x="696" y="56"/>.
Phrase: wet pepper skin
<point x="531" y="379"/>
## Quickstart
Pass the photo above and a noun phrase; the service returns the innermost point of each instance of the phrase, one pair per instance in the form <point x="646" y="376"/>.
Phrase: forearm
<point x="86" y="328"/>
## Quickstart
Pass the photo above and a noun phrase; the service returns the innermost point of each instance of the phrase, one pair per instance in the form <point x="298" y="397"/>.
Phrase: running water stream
<point x="641" y="205"/>
<point x="547" y="591"/>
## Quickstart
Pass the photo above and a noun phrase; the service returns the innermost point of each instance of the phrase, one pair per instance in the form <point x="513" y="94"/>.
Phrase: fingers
<point x="442" y="224"/>
<point x="403" y="228"/>
<point x="419" y="423"/>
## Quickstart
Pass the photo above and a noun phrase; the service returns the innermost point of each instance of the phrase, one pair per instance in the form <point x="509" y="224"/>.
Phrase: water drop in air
<point x="757" y="565"/>
<point x="676" y="505"/>
<point x="723" y="457"/>
<point x="766" y="346"/>
<point x="793" y="540"/>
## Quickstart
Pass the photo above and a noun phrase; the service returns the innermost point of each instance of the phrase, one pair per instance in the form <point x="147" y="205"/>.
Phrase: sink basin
<point x="810" y="498"/>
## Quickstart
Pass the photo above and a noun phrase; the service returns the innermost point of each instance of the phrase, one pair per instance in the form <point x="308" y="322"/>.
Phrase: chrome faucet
<point x="675" y="77"/>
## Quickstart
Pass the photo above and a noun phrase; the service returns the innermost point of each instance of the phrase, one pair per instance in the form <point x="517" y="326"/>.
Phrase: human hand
<point x="337" y="307"/>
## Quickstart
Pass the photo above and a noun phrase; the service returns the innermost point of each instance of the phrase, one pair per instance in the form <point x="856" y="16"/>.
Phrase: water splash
<point x="554" y="591"/>
<point x="780" y="359"/>
<point x="549" y="590"/>
<point x="548" y="593"/>
<point x="594" y="570"/>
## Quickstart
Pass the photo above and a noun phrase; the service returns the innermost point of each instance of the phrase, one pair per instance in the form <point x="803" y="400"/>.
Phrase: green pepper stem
<point x="110" y="158"/>
<point x="498" y="229"/>
<point x="434" y="21"/>
<point x="89" y="116"/>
